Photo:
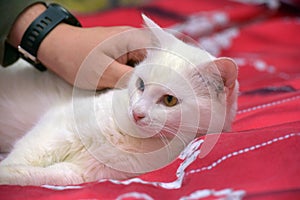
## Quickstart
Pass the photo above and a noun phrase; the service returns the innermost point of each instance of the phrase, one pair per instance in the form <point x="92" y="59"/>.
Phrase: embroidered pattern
<point x="274" y="103"/>
<point x="242" y="151"/>
<point x="225" y="193"/>
<point x="188" y="156"/>
<point x="134" y="195"/>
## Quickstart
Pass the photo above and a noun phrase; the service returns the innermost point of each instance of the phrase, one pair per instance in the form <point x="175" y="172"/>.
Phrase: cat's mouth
<point x="139" y="118"/>
<point x="141" y="121"/>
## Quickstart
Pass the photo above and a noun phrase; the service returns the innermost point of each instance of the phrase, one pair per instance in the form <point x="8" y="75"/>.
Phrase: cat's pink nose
<point x="137" y="116"/>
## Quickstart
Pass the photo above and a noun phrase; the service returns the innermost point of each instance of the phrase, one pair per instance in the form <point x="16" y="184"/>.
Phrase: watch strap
<point x="11" y="54"/>
<point x="35" y="34"/>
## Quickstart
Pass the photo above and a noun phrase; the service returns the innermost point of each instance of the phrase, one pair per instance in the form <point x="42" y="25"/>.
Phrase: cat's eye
<point x="169" y="100"/>
<point x="140" y="84"/>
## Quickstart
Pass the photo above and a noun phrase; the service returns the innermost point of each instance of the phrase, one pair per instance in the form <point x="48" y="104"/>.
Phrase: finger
<point x="138" y="39"/>
<point x="133" y="57"/>
<point x="116" y="75"/>
<point x="130" y="40"/>
<point x="137" y="55"/>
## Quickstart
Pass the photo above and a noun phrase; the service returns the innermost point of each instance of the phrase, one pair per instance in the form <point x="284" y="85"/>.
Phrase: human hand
<point x="66" y="47"/>
<point x="64" y="50"/>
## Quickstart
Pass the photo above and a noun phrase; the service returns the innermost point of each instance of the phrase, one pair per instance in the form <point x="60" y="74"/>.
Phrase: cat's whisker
<point x="165" y="141"/>
<point x="189" y="128"/>
<point x="171" y="87"/>
<point x="175" y="133"/>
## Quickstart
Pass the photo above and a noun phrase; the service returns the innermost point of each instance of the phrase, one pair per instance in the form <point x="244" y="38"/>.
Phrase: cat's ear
<point x="228" y="71"/>
<point x="162" y="37"/>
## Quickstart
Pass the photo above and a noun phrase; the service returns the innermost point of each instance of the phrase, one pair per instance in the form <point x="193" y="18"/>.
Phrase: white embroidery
<point x="135" y="195"/>
<point x="258" y="64"/>
<point x="242" y="151"/>
<point x="202" y="23"/>
<point x="225" y="193"/>
<point x="219" y="41"/>
<point x="189" y="149"/>
<point x="274" y="103"/>
<point x="190" y="155"/>
<point x="272" y="4"/>
<point x="57" y="187"/>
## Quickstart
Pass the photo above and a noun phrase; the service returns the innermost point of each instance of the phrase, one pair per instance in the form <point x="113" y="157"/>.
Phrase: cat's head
<point x="181" y="89"/>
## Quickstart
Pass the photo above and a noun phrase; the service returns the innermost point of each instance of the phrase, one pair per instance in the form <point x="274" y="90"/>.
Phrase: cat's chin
<point x="145" y="130"/>
<point x="142" y="123"/>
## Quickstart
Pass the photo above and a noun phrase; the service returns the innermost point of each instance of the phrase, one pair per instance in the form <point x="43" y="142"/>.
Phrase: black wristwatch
<point x="35" y="33"/>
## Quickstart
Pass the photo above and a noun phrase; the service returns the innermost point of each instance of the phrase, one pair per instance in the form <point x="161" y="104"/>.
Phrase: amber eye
<point x="170" y="100"/>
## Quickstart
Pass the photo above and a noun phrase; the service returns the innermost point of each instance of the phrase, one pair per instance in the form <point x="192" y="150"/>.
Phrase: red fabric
<point x="260" y="158"/>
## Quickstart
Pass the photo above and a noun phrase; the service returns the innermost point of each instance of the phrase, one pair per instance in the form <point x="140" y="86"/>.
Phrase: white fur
<point x="53" y="137"/>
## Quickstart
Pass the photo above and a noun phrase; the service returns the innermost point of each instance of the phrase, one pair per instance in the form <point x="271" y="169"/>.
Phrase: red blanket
<point x="259" y="159"/>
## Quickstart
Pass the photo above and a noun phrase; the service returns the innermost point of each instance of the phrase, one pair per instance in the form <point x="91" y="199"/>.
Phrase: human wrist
<point x="23" y="21"/>
<point x="32" y="27"/>
<point x="62" y="50"/>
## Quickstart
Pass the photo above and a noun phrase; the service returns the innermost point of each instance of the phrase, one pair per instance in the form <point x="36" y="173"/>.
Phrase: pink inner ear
<point x="228" y="71"/>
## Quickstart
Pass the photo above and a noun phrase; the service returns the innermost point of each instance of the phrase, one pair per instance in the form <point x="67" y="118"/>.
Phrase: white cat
<point x="54" y="136"/>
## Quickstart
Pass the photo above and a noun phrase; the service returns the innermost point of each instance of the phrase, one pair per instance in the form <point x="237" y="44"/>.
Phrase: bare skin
<point x="65" y="48"/>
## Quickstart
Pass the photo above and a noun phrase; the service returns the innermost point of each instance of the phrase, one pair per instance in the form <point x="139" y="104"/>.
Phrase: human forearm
<point x="22" y="23"/>
<point x="65" y="47"/>
<point x="54" y="51"/>
<point x="9" y="11"/>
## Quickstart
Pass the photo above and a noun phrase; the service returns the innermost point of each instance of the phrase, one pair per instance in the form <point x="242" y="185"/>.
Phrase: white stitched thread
<point x="223" y="194"/>
<point x="274" y="103"/>
<point x="134" y="195"/>
<point x="178" y="182"/>
<point x="189" y="157"/>
<point x="247" y="149"/>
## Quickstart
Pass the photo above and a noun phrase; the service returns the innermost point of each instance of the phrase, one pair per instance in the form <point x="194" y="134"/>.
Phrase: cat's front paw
<point x="10" y="176"/>
<point x="59" y="174"/>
